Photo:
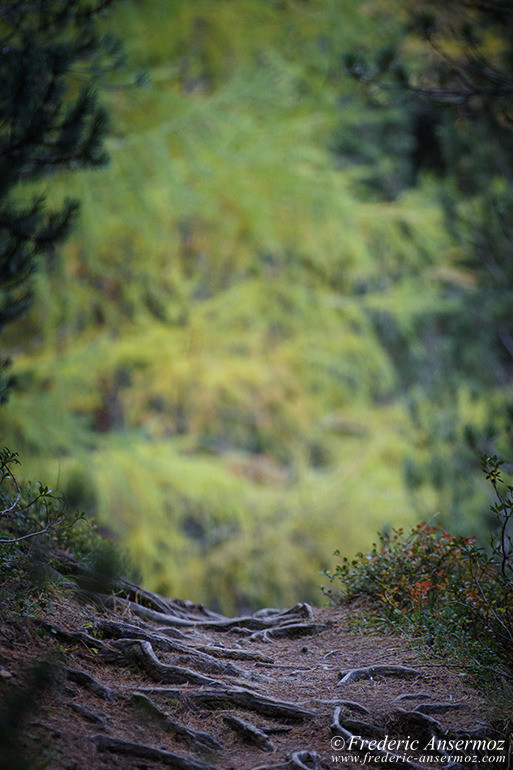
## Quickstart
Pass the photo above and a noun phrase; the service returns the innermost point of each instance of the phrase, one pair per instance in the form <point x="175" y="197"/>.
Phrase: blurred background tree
<point x="454" y="66"/>
<point x="52" y="55"/>
<point x="262" y="317"/>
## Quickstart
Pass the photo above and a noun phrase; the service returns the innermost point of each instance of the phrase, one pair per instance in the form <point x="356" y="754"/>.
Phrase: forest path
<point x="147" y="682"/>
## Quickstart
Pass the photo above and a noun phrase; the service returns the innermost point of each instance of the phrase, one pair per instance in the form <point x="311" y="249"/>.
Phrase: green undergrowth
<point x="38" y="528"/>
<point x="453" y="593"/>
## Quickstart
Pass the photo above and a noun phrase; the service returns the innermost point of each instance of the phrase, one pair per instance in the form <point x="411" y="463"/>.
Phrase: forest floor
<point x="143" y="682"/>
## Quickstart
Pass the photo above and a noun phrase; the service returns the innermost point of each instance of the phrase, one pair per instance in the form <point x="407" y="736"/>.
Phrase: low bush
<point x="455" y="593"/>
<point x="36" y="529"/>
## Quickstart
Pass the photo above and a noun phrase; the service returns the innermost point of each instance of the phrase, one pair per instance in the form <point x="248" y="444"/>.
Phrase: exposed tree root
<point x="48" y="728"/>
<point x="358" y="739"/>
<point x="85" y="680"/>
<point x="305" y="760"/>
<point x="140" y="750"/>
<point x="172" y="693"/>
<point x="90" y="716"/>
<point x="239" y="697"/>
<point x="249" y="732"/>
<point x="276" y="730"/>
<point x="73" y="637"/>
<point x="130" y="651"/>
<point x="353" y="706"/>
<point x="371" y="672"/>
<point x="248" y="624"/>
<point x="144" y="597"/>
<point x="414" y="722"/>
<point x="348" y="705"/>
<point x="413" y="696"/>
<point x="269" y="613"/>
<point x="184" y="671"/>
<point x="363" y="746"/>
<point x="226" y="698"/>
<point x="225" y="652"/>
<point x="66" y="564"/>
<point x="286" y="630"/>
<point x="187" y="653"/>
<point x="197" y="740"/>
<point x="116" y="629"/>
<point x="177" y="607"/>
<point x="365" y="729"/>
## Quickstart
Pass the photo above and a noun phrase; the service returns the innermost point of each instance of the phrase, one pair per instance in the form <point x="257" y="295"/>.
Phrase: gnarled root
<point x="371" y="672"/>
<point x="140" y="750"/>
<point x="249" y="732"/>
<point x="136" y="651"/>
<point x="194" y="738"/>
<point x="239" y="697"/>
<point x="86" y="680"/>
<point x="362" y="745"/>
<point x="187" y="653"/>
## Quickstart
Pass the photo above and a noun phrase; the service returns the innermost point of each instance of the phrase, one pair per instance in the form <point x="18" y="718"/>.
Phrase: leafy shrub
<point x="35" y="526"/>
<point x="451" y="590"/>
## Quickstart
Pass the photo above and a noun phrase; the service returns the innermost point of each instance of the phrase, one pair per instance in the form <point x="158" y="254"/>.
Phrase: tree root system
<point x="152" y="682"/>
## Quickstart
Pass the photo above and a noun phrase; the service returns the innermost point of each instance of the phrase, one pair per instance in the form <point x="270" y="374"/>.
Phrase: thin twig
<point x="18" y="490"/>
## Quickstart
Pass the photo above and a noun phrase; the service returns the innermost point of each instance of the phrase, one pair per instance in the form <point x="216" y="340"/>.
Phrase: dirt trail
<point x="147" y="682"/>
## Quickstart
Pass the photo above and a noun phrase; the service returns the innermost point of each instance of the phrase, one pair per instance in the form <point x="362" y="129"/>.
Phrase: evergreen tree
<point x="51" y="55"/>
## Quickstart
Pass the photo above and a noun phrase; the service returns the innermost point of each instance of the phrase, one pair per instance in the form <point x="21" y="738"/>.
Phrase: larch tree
<point x="454" y="65"/>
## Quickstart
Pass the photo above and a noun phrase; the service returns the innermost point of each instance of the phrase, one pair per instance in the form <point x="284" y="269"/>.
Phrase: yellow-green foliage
<point x="203" y="355"/>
